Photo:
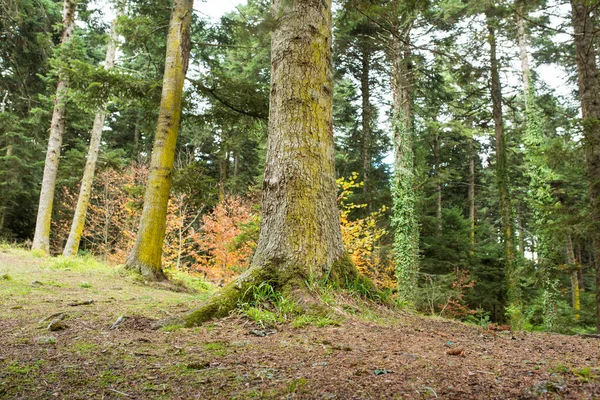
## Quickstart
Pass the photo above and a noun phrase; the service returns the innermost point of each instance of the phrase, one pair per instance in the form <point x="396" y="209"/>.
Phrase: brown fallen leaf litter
<point x="377" y="355"/>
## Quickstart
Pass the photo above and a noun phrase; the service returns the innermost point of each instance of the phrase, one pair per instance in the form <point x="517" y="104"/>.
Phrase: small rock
<point x="56" y="316"/>
<point x="198" y="364"/>
<point x="459" y="351"/>
<point x="57" y="325"/>
<point x="46" y="339"/>
<point x="118" y="322"/>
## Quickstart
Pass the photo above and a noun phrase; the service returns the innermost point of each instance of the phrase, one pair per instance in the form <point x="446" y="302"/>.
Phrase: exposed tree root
<point x="148" y="272"/>
<point x="343" y="274"/>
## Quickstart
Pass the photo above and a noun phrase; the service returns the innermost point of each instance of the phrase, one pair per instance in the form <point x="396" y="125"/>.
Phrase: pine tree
<point x="589" y="90"/>
<point x="146" y="255"/>
<point x="41" y="239"/>
<point x="83" y="200"/>
<point x="300" y="238"/>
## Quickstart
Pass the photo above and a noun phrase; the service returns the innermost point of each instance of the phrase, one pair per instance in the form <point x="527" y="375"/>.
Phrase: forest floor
<point x="372" y="353"/>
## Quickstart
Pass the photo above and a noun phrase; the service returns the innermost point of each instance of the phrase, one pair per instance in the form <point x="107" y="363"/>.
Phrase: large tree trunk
<point x="85" y="190"/>
<point x="146" y="254"/>
<point x="406" y="231"/>
<point x="589" y="94"/>
<point x="507" y="228"/>
<point x="300" y="238"/>
<point x="41" y="238"/>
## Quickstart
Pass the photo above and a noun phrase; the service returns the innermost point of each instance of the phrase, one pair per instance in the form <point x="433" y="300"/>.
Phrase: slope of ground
<point x="373" y="354"/>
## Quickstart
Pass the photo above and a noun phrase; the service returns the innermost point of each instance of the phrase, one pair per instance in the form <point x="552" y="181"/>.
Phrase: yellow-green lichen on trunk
<point x="300" y="237"/>
<point x="146" y="254"/>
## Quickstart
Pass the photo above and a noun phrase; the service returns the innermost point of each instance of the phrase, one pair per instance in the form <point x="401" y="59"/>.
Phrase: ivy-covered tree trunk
<point x="404" y="218"/>
<point x="85" y="190"/>
<point x="506" y="221"/>
<point x="146" y="255"/>
<point x="589" y="96"/>
<point x="300" y="238"/>
<point x="41" y="238"/>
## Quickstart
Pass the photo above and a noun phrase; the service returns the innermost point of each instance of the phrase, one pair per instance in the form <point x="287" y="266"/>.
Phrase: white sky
<point x="214" y="9"/>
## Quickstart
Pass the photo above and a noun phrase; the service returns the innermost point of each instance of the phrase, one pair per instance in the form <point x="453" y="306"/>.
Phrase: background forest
<point x="486" y="216"/>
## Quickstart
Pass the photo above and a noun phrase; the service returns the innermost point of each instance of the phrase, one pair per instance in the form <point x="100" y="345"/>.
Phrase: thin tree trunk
<point x="472" y="192"/>
<point x="507" y="229"/>
<point x="580" y="270"/>
<point x="4" y="208"/>
<point x="406" y="231"/>
<point x="85" y="190"/>
<point x="300" y="238"/>
<point x="438" y="182"/>
<point x="41" y="238"/>
<point x="365" y="90"/>
<point x="589" y="94"/>
<point x="223" y="172"/>
<point x="236" y="164"/>
<point x="523" y="40"/>
<point x="520" y="231"/>
<point x="146" y="255"/>
<point x="573" y="267"/>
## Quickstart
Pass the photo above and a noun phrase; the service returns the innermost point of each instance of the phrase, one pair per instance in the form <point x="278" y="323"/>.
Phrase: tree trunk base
<point x="343" y="274"/>
<point x="147" y="271"/>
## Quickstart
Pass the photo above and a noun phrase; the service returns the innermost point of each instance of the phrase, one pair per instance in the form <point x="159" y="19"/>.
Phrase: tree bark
<point x="520" y="231"/>
<point x="589" y="96"/>
<point x="146" y="255"/>
<point x="85" y="190"/>
<point x="365" y="90"/>
<point x="41" y="238"/>
<point x="573" y="267"/>
<point x="438" y="182"/>
<point x="507" y="228"/>
<point x="472" y="192"/>
<point x="300" y="238"/>
<point x="523" y="40"/>
<point x="406" y="230"/>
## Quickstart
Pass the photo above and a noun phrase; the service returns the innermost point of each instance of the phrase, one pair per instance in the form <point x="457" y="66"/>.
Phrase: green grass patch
<point x="264" y="318"/>
<point x="195" y="283"/>
<point x="314" y="320"/>
<point x="83" y="347"/>
<point x="78" y="264"/>
<point x="216" y="348"/>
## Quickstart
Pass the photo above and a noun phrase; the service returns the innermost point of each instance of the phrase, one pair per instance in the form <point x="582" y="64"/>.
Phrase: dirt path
<point x="369" y="356"/>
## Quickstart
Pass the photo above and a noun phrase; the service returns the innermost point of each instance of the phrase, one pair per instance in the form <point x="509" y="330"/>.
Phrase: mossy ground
<point x="361" y="350"/>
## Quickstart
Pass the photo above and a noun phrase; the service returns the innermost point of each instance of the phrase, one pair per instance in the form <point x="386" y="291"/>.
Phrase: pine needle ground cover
<point x="78" y="330"/>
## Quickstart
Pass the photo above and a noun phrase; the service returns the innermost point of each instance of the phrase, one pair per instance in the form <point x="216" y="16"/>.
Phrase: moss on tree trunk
<point x="300" y="239"/>
<point x="146" y="254"/>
